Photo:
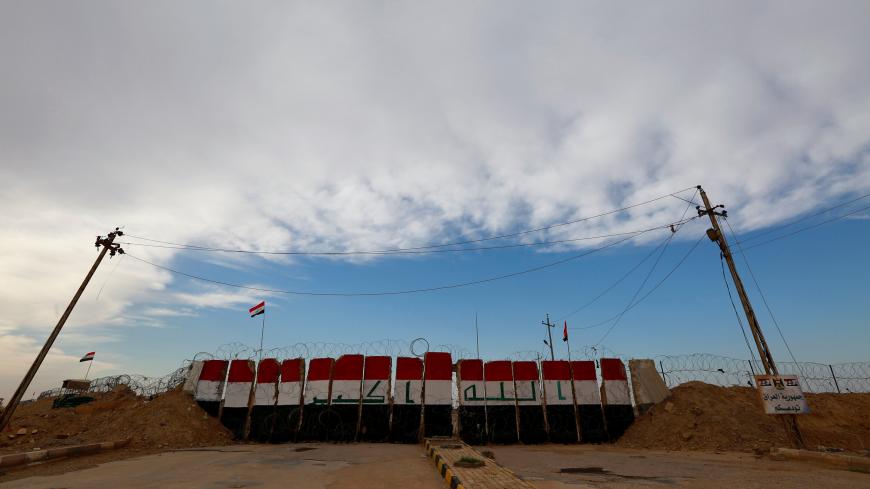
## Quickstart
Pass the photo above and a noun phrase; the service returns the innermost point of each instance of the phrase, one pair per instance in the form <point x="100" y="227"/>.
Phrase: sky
<point x="342" y="126"/>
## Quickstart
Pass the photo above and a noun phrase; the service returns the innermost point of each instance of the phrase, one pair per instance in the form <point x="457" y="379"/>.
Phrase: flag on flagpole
<point x="88" y="357"/>
<point x="565" y="332"/>
<point x="258" y="309"/>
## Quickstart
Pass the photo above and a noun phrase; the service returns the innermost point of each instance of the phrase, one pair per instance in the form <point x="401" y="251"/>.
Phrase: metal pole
<point x="550" y="327"/>
<point x="262" y="331"/>
<point x="90" y="363"/>
<point x="477" y="334"/>
<point x="107" y="245"/>
<point x="837" y="385"/>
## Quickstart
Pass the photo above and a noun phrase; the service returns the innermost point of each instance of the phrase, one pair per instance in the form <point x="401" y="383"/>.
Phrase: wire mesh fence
<point x="727" y="371"/>
<point x="674" y="369"/>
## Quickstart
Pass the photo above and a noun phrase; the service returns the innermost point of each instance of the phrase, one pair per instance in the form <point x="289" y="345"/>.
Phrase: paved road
<point x="300" y="466"/>
<point x="611" y="468"/>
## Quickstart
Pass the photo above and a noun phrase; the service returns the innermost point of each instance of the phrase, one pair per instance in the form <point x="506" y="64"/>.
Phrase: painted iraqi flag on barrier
<point x="258" y="309"/>
<point x="88" y="357"/>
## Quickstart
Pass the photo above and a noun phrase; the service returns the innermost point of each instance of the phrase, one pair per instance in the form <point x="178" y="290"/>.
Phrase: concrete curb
<point x="449" y="478"/>
<point x="74" y="451"/>
<point x="838" y="460"/>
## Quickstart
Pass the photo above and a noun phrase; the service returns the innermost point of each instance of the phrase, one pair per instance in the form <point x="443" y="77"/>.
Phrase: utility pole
<point x="550" y="327"/>
<point x="108" y="246"/>
<point x="716" y="234"/>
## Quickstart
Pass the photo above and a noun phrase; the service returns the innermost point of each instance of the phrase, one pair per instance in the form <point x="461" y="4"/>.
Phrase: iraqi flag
<point x="258" y="309"/>
<point x="565" y="332"/>
<point x="88" y="357"/>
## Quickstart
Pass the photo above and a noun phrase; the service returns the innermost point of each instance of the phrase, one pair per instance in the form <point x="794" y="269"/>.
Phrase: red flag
<point x="565" y="332"/>
<point x="258" y="309"/>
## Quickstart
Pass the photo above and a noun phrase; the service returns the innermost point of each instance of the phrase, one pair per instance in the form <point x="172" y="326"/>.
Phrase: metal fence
<point x="675" y="369"/>
<point x="727" y="371"/>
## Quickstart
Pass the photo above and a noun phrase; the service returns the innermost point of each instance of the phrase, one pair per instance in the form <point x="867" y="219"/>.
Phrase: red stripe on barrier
<point x="612" y="369"/>
<point x="556" y="370"/>
<point x="320" y="368"/>
<point x="470" y="369"/>
<point x="409" y="368"/>
<point x="377" y="368"/>
<point x="214" y="370"/>
<point x="439" y="365"/>
<point x="525" y="370"/>
<point x="497" y="370"/>
<point x="267" y="371"/>
<point x="348" y="367"/>
<point x="241" y="371"/>
<point x="583" y="370"/>
<point x="291" y="370"/>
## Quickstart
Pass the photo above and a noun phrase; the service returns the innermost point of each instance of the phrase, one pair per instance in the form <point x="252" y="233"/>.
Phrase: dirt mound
<point x="170" y="420"/>
<point x="699" y="416"/>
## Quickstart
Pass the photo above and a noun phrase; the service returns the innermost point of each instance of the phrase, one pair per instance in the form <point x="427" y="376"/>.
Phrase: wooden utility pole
<point x="550" y="327"/>
<point x="716" y="234"/>
<point x="108" y="246"/>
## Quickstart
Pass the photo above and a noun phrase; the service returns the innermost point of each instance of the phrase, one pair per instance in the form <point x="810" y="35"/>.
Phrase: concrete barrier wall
<point x="438" y="394"/>
<point x="237" y="397"/>
<point x="472" y="401"/>
<point x="501" y="409"/>
<point x="192" y="377"/>
<point x="262" y="413"/>
<point x="407" y="400"/>
<point x="531" y="424"/>
<point x="376" y="402"/>
<point x="210" y="386"/>
<point x="345" y="398"/>
<point x="315" y="411"/>
<point x="616" y="397"/>
<point x="353" y="399"/>
<point x="559" y="401"/>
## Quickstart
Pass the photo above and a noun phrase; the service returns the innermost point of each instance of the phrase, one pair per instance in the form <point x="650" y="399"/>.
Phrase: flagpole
<point x="262" y="331"/>
<point x="89" y="369"/>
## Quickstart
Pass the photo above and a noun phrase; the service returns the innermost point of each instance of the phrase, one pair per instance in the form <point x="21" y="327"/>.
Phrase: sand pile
<point x="701" y="416"/>
<point x="170" y="420"/>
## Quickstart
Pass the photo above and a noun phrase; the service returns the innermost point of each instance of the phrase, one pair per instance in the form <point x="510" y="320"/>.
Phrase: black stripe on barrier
<point x="406" y="423"/>
<point x="618" y="417"/>
<point x="532" y="427"/>
<point x="562" y="423"/>
<point x="472" y="424"/>
<point x="438" y="420"/>
<point x="502" y="424"/>
<point x="592" y="427"/>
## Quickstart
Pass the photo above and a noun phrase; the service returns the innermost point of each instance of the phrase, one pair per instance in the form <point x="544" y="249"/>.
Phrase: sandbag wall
<point x="352" y="398"/>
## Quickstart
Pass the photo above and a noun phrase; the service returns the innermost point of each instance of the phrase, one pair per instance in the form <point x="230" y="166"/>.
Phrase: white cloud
<point x="356" y="126"/>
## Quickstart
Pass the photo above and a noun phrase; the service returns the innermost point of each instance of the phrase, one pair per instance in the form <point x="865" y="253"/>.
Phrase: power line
<point x="650" y="292"/>
<point x="455" y="243"/>
<point x="397" y="292"/>
<point x="804" y="218"/>
<point x="764" y="299"/>
<point x="409" y="251"/>
<point x="617" y="282"/>
<point x="807" y="228"/>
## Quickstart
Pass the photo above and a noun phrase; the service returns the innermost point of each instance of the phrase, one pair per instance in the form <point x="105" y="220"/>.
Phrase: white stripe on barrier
<point x="237" y="395"/>
<point x="527" y="393"/>
<point x="438" y="392"/>
<point x="587" y="392"/>
<point x="473" y="393"/>
<point x="289" y="393"/>
<point x="209" y="390"/>
<point x="558" y="392"/>
<point x="500" y="393"/>
<point x="317" y="392"/>
<point x="616" y="392"/>
<point x="408" y="392"/>
<point x="375" y="391"/>
<point x="346" y="391"/>
<point x="265" y="394"/>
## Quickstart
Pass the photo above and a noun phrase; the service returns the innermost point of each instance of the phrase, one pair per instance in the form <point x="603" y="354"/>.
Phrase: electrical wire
<point x="764" y="301"/>
<point x="734" y="306"/>
<point x="444" y="245"/>
<point x="403" y="251"/>
<point x="617" y="282"/>
<point x="803" y="219"/>
<point x="648" y="275"/>
<point x="397" y="292"/>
